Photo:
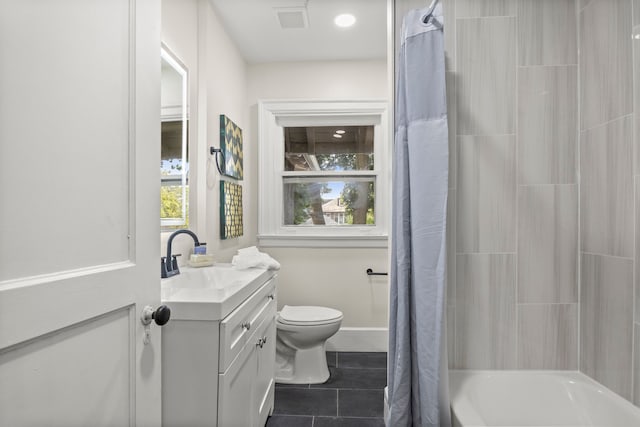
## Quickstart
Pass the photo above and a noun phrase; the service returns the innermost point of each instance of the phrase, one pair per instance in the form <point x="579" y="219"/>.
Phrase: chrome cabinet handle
<point x="246" y="325"/>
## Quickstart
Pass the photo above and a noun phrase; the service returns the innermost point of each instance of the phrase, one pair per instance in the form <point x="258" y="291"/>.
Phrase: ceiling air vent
<point x="292" y="17"/>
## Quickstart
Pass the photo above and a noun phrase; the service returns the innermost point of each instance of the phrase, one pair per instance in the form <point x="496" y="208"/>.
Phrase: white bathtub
<point x="536" y="398"/>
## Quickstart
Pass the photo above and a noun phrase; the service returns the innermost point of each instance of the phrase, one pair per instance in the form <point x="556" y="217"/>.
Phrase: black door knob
<point x="162" y="315"/>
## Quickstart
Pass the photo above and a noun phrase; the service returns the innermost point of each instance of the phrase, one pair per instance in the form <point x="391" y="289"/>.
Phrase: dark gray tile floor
<point x="352" y="397"/>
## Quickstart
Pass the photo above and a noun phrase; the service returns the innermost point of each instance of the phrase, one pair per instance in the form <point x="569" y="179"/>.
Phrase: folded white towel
<point x="252" y="257"/>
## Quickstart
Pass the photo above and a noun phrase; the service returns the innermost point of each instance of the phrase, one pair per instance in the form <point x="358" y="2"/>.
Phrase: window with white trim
<point x="324" y="173"/>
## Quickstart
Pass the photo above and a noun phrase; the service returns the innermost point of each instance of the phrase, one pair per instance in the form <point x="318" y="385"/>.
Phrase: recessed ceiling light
<point x="345" y="20"/>
<point x="336" y="135"/>
<point x="340" y="132"/>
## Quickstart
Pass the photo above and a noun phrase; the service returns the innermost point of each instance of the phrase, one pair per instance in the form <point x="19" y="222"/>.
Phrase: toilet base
<point x="304" y="366"/>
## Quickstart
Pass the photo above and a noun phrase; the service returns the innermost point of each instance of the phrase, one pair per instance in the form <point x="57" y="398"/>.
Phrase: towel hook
<point x="214" y="152"/>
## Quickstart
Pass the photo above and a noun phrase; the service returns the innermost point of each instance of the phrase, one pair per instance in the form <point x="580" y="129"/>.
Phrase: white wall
<point x="329" y="277"/>
<point x="227" y="85"/>
<point x="217" y="75"/>
<point x="223" y="79"/>
<point x="318" y="80"/>
<point x="335" y="278"/>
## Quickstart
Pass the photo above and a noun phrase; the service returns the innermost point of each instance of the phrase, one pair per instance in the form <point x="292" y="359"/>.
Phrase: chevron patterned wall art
<point x="230" y="210"/>
<point x="231" y="146"/>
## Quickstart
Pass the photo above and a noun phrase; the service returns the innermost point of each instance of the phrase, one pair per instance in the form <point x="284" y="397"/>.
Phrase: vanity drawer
<point x="240" y="325"/>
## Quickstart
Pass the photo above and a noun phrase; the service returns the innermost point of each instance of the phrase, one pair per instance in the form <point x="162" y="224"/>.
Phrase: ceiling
<point x="256" y="30"/>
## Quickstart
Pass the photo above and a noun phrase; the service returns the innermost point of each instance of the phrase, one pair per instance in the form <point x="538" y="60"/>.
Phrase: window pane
<point x="173" y="200"/>
<point x="328" y="148"/>
<point x="313" y="202"/>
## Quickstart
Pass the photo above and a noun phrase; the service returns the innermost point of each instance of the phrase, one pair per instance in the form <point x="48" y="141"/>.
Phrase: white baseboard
<point x="359" y="339"/>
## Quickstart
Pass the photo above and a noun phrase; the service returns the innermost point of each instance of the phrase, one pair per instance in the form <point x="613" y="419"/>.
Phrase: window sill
<point x="300" y="241"/>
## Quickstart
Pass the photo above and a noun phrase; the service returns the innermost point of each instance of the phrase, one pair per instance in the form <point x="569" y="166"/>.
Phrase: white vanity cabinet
<point x="220" y="372"/>
<point x="246" y="389"/>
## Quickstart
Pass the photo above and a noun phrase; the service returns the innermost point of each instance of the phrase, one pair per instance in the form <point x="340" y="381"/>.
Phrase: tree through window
<point x="328" y="183"/>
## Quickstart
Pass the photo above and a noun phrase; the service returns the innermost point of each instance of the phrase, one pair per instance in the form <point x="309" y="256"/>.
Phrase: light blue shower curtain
<point x="418" y="379"/>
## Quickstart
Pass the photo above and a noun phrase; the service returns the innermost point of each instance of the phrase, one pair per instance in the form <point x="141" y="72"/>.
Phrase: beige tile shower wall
<point x="605" y="62"/>
<point x="548" y="336"/>
<point x="547" y="121"/>
<point x="607" y="321"/>
<point x="547" y="136"/>
<point x="512" y="86"/>
<point x="607" y="195"/>
<point x="547" y="193"/>
<point x="486" y="194"/>
<point x="486" y="75"/>
<point x="547" y="32"/>
<point x="486" y="311"/>
<point x="548" y="244"/>
<point x="606" y="188"/>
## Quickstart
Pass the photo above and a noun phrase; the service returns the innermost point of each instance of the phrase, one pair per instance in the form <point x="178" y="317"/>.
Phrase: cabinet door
<point x="266" y="361"/>
<point x="235" y="392"/>
<point x="238" y="327"/>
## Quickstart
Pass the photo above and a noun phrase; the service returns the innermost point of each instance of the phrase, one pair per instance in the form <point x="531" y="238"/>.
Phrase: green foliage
<point x="357" y="211"/>
<point x="348" y="161"/>
<point x="303" y="197"/>
<point x="171" y="204"/>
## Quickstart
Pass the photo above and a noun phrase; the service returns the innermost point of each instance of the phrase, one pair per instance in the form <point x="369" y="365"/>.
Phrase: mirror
<point x="174" y="164"/>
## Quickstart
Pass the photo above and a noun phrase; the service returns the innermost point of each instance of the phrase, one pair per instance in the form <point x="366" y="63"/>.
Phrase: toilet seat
<point x="304" y="315"/>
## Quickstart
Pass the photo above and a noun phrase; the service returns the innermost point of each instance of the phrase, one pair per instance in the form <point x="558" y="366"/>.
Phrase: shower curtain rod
<point x="430" y="10"/>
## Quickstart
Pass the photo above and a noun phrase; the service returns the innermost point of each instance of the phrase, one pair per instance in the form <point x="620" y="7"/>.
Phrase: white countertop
<point x="210" y="293"/>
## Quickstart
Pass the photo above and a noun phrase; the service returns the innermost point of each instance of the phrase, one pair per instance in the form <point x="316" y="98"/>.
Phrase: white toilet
<point x="302" y="332"/>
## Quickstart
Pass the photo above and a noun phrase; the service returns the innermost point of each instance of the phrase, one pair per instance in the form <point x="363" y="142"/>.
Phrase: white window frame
<point x="273" y="116"/>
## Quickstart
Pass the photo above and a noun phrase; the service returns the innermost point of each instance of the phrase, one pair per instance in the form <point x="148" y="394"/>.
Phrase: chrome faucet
<point x="169" y="264"/>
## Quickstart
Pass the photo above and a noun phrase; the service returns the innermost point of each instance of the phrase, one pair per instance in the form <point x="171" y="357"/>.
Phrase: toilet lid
<point x="308" y="315"/>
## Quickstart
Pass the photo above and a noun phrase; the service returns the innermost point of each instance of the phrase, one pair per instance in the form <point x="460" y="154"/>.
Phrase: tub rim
<point x="473" y="418"/>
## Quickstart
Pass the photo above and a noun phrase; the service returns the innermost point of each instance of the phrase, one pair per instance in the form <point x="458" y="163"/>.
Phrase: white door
<point x="79" y="229"/>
